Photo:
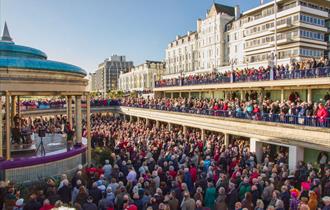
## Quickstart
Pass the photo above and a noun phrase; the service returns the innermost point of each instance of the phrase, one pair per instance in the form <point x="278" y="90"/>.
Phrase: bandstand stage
<point x="26" y="71"/>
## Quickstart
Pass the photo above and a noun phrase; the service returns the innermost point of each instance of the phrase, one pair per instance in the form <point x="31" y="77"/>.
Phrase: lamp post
<point x="275" y="38"/>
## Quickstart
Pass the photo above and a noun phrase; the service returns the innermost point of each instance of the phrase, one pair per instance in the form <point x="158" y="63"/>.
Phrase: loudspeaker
<point x="42" y="132"/>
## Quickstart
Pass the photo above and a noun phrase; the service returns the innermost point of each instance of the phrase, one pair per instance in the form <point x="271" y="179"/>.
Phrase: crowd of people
<point x="309" y="68"/>
<point x="294" y="110"/>
<point x="156" y="168"/>
<point x="61" y="103"/>
<point x="42" y="104"/>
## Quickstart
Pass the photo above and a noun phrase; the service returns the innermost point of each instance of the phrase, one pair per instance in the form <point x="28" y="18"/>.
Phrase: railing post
<point x="271" y="74"/>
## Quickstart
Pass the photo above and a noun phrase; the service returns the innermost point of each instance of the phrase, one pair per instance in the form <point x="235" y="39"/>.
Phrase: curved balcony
<point x="257" y="76"/>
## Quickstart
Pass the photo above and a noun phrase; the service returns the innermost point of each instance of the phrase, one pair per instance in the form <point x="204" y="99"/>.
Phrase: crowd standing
<point x="154" y="168"/>
<point x="255" y="107"/>
<point x="308" y="68"/>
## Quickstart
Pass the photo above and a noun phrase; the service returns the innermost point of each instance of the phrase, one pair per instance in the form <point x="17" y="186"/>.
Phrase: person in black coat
<point x="65" y="192"/>
<point x="32" y="204"/>
<point x="232" y="196"/>
<point x="89" y="205"/>
<point x="285" y="197"/>
<point x="95" y="193"/>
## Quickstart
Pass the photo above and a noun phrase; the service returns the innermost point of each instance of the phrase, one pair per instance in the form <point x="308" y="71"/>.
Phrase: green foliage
<point x="100" y="155"/>
<point x="114" y="94"/>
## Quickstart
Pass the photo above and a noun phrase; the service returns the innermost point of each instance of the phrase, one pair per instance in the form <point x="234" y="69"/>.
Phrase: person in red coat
<point x="322" y="113"/>
<point x="47" y="205"/>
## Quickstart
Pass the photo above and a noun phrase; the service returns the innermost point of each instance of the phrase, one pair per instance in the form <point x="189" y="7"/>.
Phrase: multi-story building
<point x="203" y="49"/>
<point x="292" y="29"/>
<point x="142" y="77"/>
<point x="107" y="74"/>
<point x="92" y="81"/>
<point x="182" y="55"/>
<point x="211" y="36"/>
<point x="272" y="33"/>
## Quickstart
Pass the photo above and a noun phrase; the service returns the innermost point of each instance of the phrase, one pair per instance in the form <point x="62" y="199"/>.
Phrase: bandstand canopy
<point x="27" y="71"/>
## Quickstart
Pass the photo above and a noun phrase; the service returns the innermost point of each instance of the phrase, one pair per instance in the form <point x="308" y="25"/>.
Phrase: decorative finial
<point x="5" y="35"/>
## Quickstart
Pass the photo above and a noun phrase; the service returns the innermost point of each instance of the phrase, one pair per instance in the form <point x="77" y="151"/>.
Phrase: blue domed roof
<point x="38" y="64"/>
<point x="13" y="50"/>
<point x="22" y="57"/>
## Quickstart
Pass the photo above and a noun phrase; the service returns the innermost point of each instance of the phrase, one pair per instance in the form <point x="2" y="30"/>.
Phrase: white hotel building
<point x="227" y="39"/>
<point x="141" y="77"/>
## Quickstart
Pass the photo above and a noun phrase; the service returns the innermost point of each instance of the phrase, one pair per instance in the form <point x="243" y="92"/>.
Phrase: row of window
<point x="267" y="26"/>
<point x="312" y="35"/>
<point x="311" y="52"/>
<point x="314" y="6"/>
<point x="286" y="54"/>
<point x="312" y="20"/>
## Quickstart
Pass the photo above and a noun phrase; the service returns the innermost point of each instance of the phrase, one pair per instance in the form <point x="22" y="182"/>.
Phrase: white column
<point x="8" y="132"/>
<point x="171" y="94"/>
<point x="256" y="147"/>
<point x="296" y="154"/>
<point x="1" y="140"/>
<point x="147" y="122"/>
<point x="189" y="95"/>
<point x="169" y="126"/>
<point x="202" y="134"/>
<point x="88" y="122"/>
<point x="78" y="119"/>
<point x="242" y="95"/>
<point x="138" y="119"/>
<point x="157" y="123"/>
<point x="130" y="118"/>
<point x="282" y="95"/>
<point x="184" y="129"/>
<point x="226" y="139"/>
<point x="309" y="95"/>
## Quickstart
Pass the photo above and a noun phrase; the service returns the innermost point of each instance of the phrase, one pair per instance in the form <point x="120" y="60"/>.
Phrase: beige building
<point x="182" y="55"/>
<point x="226" y="39"/>
<point x="141" y="77"/>
<point x="203" y="49"/>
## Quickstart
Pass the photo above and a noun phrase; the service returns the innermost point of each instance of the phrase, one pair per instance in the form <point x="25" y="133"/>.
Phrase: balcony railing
<point x="266" y="75"/>
<point x="265" y="117"/>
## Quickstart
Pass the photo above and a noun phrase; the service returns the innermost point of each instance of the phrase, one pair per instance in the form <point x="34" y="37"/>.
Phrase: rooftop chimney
<point x="237" y="12"/>
<point x="261" y="2"/>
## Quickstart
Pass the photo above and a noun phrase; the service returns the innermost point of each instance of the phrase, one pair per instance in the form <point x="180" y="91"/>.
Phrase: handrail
<point x="312" y="121"/>
<point x="257" y="75"/>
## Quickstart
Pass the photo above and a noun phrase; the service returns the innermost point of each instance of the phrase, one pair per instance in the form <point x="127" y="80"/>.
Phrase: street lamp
<point x="275" y="38"/>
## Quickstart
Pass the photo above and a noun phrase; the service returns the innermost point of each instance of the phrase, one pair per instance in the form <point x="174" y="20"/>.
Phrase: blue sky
<point x="85" y="32"/>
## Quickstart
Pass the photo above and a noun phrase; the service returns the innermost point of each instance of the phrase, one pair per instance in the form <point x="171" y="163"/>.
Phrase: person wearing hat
<point x="89" y="205"/>
<point x="95" y="192"/>
<point x="19" y="204"/>
<point x="107" y="168"/>
<point x="326" y="201"/>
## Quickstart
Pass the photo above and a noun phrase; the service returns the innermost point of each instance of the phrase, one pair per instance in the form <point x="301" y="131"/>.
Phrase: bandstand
<point x="25" y="71"/>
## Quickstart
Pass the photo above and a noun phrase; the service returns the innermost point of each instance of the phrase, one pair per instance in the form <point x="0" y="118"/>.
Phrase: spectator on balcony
<point x="322" y="114"/>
